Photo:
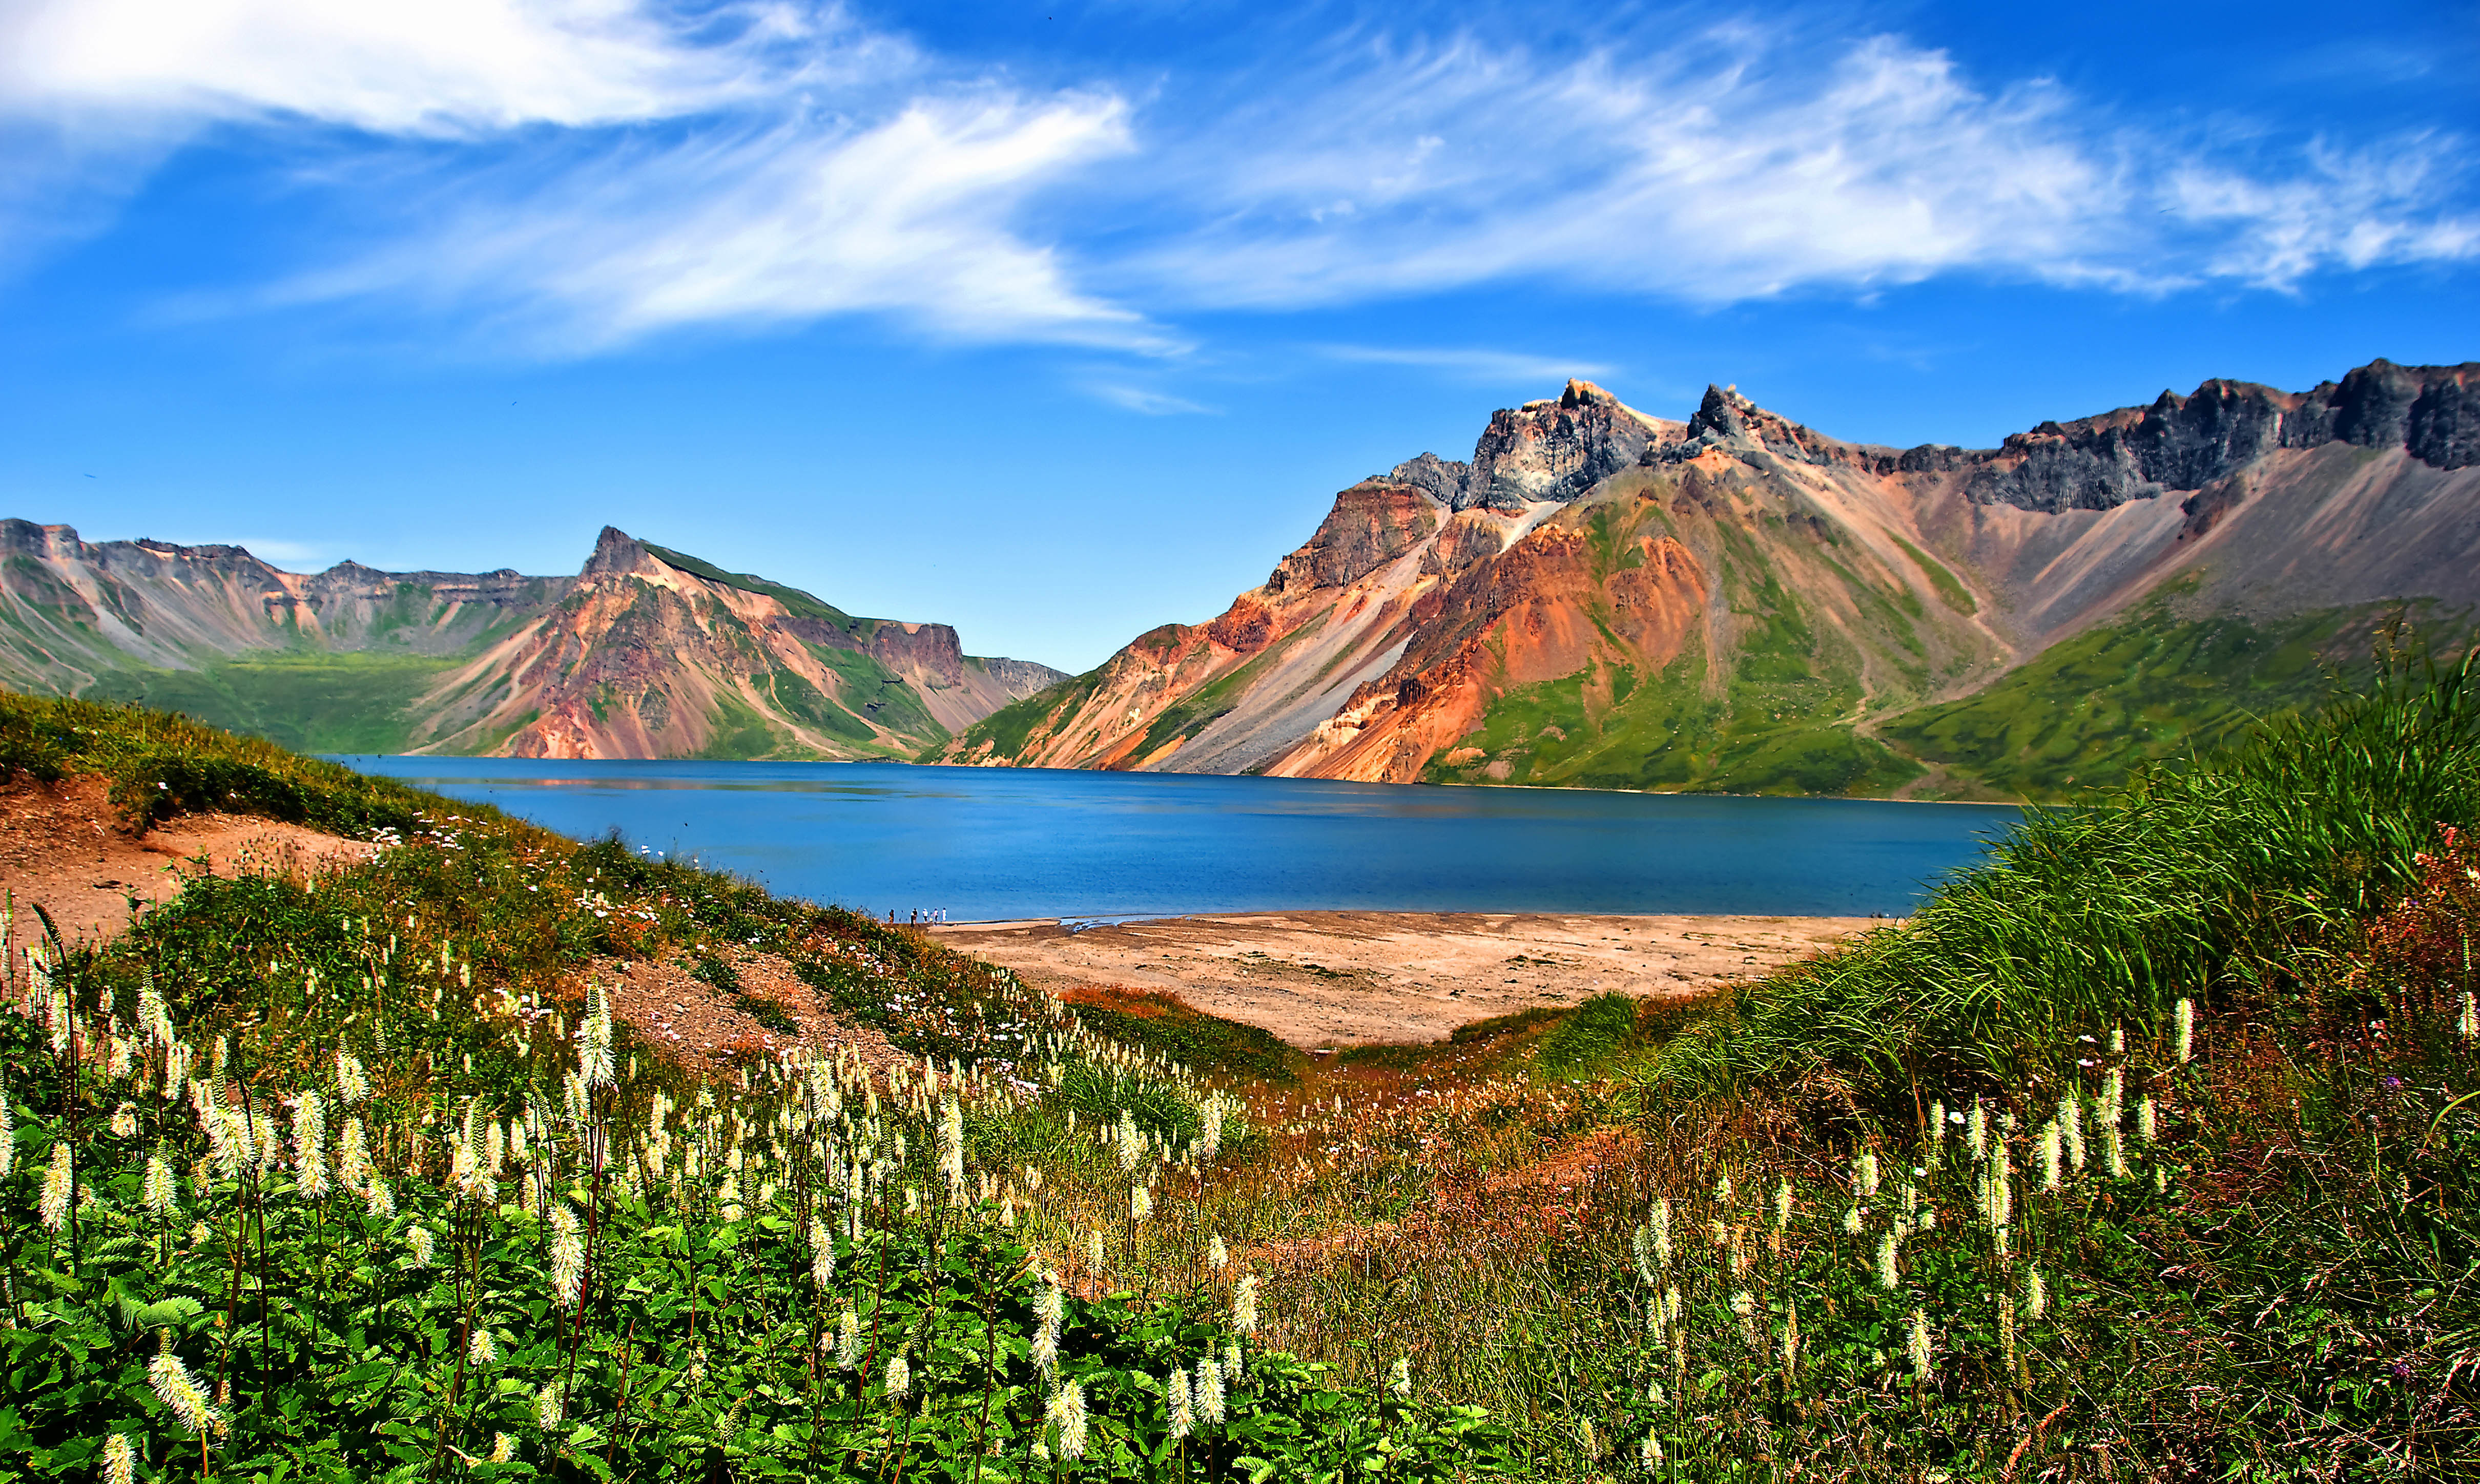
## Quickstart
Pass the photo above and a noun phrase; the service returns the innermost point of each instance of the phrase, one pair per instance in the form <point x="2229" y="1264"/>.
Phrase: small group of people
<point x="922" y="917"/>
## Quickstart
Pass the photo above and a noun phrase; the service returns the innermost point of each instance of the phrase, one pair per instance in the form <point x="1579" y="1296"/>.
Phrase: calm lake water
<point x="986" y="843"/>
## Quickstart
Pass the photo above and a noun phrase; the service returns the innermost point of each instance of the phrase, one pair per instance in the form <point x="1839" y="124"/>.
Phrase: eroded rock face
<point x="1372" y="523"/>
<point x="1444" y="479"/>
<point x="1553" y="449"/>
<point x="2186" y="443"/>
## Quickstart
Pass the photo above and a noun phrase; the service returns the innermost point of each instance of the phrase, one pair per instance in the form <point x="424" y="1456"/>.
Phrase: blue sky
<point x="1058" y="321"/>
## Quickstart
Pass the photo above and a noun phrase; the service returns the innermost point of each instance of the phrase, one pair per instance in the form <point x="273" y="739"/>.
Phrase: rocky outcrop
<point x="1554" y="449"/>
<point x="2186" y="443"/>
<point x="1372" y="523"/>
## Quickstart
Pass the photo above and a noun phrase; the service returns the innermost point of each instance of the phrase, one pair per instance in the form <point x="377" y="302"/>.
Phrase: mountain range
<point x="646" y="653"/>
<point x="1733" y="601"/>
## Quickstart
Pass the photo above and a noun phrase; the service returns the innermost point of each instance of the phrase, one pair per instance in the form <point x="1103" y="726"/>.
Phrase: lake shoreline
<point x="1322" y="978"/>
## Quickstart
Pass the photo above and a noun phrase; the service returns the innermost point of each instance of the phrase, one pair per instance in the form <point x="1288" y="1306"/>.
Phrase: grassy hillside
<point x="2152" y="688"/>
<point x="355" y="1178"/>
<point x="2148" y="1150"/>
<point x="341" y="701"/>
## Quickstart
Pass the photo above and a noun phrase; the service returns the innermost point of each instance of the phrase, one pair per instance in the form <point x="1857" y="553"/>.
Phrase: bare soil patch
<point x="1330" y="979"/>
<point x="63" y="845"/>
<point x="693" y="1022"/>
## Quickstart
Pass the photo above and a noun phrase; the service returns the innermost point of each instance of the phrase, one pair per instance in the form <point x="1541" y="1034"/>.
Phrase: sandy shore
<point x="1319" y="978"/>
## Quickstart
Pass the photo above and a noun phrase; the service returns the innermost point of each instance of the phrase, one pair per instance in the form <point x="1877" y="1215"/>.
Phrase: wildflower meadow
<point x="2143" y="1151"/>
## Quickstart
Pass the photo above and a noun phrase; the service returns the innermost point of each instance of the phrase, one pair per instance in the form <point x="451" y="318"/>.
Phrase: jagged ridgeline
<point x="1604" y="598"/>
<point x="361" y="1177"/>
<point x="646" y="653"/>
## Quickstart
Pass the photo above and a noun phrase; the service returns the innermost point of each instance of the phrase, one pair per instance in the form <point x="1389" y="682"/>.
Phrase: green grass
<point x="1950" y="589"/>
<point x="1712" y="1227"/>
<point x="1665" y="732"/>
<point x="160" y="765"/>
<point x="740" y="731"/>
<point x="2090" y="710"/>
<point x="1008" y="729"/>
<point x="2221" y="881"/>
<point x="1590" y="1038"/>
<point x="874" y="692"/>
<point x="1207" y="1045"/>
<point x="798" y="604"/>
<point x="333" y="703"/>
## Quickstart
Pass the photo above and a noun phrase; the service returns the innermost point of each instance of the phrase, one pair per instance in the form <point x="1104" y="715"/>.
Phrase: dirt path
<point x="1318" y="978"/>
<point x="61" y="845"/>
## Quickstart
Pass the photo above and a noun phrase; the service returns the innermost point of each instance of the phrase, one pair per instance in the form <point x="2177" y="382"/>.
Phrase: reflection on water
<point x="996" y="843"/>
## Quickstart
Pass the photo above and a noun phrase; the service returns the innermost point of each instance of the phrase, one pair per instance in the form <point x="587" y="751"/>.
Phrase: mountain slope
<point x="1739" y="603"/>
<point x="646" y="653"/>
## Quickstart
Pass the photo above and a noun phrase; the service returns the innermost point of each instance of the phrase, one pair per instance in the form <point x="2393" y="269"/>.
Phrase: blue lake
<point x="998" y="843"/>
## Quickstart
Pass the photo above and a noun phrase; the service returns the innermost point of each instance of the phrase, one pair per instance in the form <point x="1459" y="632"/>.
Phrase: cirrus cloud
<point x="575" y="175"/>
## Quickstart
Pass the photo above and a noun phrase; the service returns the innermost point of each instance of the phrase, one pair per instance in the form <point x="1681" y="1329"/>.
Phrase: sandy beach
<point x="1322" y="978"/>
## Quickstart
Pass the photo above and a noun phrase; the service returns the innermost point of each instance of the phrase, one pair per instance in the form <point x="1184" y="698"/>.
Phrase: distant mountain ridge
<point x="1736" y="602"/>
<point x="646" y="653"/>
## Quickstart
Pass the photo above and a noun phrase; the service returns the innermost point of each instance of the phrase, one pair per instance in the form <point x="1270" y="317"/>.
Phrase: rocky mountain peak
<point x="2186" y="443"/>
<point x="1444" y="479"/>
<point x="616" y="553"/>
<point x="1727" y="422"/>
<point x="1555" y="448"/>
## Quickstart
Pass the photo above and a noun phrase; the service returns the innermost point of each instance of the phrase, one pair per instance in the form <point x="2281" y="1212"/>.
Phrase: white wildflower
<point x="352" y="1083"/>
<point x="156" y="1192"/>
<point x="1399" y="1379"/>
<point x="567" y="1256"/>
<point x="1067" y="1413"/>
<point x="899" y="1377"/>
<point x="1917" y="1347"/>
<point x="119" y="1460"/>
<point x="1176" y="1398"/>
<point x="58" y="1178"/>
<point x="1209" y="1390"/>
<point x="180" y="1394"/>
<point x="1050" y="1312"/>
<point x="1244" y="1305"/>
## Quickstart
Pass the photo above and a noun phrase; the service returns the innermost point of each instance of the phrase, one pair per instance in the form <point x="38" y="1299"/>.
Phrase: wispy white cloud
<point x="577" y="175"/>
<point x="1470" y="363"/>
<point x="771" y="221"/>
<point x="582" y="173"/>
<point x="1727" y="166"/>
<point x="396" y="67"/>
<point x="1144" y="401"/>
<point x="2340" y="209"/>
